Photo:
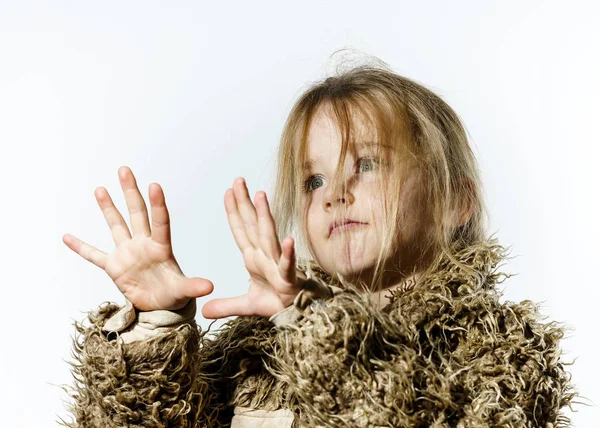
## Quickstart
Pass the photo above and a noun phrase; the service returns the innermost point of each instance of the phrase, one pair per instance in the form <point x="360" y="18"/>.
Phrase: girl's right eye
<point x="310" y="181"/>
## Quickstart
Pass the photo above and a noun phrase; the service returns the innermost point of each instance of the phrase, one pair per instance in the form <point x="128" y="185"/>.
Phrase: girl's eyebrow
<point x="309" y="164"/>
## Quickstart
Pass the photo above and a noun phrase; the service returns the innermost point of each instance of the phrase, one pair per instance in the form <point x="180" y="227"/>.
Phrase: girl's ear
<point x="463" y="208"/>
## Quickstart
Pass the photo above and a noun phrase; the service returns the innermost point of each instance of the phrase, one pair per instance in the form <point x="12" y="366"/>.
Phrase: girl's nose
<point x="337" y="195"/>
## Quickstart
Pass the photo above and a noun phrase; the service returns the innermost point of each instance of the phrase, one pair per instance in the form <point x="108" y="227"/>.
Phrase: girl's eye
<point x="308" y="183"/>
<point x="369" y="164"/>
<point x="363" y="165"/>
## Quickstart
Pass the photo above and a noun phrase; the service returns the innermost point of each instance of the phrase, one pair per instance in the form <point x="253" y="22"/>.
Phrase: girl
<point x="379" y="307"/>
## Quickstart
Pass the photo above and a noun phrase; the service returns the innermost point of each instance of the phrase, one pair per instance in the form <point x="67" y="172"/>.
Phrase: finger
<point x="88" y="252"/>
<point x="246" y="210"/>
<point x="196" y="287"/>
<point x="227" y="307"/>
<point x="268" y="240"/>
<point x="161" y="227"/>
<point x="235" y="221"/>
<point x="116" y="222"/>
<point x="287" y="263"/>
<point x="138" y="213"/>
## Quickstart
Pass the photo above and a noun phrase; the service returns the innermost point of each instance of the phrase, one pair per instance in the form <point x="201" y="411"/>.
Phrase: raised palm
<point x="274" y="279"/>
<point x="143" y="265"/>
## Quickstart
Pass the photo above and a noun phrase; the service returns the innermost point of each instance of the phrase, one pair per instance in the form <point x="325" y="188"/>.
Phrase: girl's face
<point x="352" y="250"/>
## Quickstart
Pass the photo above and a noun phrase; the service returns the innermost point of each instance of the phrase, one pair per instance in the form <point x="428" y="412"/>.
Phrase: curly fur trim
<point x="444" y="353"/>
<point x="142" y="384"/>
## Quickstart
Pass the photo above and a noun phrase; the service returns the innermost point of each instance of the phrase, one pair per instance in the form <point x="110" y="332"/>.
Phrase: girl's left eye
<point x="370" y="164"/>
<point x="363" y="165"/>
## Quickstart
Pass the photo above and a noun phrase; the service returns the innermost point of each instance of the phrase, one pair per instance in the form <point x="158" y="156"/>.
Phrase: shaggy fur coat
<point x="444" y="353"/>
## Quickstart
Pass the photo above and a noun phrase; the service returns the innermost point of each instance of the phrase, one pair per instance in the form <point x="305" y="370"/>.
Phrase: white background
<point x="195" y="94"/>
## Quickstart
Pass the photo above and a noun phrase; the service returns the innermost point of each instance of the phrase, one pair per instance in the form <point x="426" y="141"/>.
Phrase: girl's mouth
<point x="347" y="226"/>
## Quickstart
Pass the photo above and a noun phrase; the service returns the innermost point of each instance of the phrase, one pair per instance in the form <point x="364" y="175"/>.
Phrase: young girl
<point x="378" y="308"/>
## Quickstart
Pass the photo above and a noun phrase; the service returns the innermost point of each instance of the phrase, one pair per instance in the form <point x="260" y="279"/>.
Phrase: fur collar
<point x="444" y="352"/>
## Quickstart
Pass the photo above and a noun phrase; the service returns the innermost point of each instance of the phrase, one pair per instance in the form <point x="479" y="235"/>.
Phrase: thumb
<point x="226" y="307"/>
<point x="196" y="287"/>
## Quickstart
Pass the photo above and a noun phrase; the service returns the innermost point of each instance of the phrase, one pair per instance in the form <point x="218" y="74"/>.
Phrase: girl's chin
<point x="353" y="269"/>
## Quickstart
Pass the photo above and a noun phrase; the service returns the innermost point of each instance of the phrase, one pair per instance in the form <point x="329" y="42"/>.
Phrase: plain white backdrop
<point x="194" y="94"/>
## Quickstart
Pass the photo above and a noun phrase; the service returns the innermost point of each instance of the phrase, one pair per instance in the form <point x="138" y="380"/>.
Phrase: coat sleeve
<point x="434" y="360"/>
<point x="149" y="369"/>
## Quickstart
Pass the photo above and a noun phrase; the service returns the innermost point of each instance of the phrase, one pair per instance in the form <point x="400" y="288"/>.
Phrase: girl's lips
<point x="347" y="226"/>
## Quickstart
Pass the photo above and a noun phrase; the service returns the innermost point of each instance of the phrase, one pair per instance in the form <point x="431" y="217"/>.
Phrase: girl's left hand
<point x="274" y="279"/>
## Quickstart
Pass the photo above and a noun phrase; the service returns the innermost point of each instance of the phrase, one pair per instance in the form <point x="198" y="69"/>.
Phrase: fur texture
<point x="445" y="353"/>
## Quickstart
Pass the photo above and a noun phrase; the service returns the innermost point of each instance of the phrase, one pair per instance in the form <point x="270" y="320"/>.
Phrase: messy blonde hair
<point x="425" y="133"/>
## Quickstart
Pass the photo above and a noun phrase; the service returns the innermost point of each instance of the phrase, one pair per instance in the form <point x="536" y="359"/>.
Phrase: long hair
<point x="426" y="134"/>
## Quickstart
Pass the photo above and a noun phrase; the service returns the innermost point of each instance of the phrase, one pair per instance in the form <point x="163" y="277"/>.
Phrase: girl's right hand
<point x="275" y="280"/>
<point x="143" y="266"/>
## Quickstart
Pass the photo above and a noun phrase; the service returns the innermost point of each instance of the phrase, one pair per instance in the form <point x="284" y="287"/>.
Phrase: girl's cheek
<point x="371" y="178"/>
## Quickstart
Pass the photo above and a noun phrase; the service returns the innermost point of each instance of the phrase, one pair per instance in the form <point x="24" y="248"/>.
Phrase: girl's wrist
<point x="313" y="296"/>
<point x="288" y="300"/>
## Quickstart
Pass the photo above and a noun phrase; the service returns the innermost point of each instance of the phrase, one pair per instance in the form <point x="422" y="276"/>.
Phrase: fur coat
<point x="443" y="353"/>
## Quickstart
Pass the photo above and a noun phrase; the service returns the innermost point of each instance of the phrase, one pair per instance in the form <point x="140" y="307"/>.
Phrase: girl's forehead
<point x="325" y="121"/>
<point x="325" y="134"/>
